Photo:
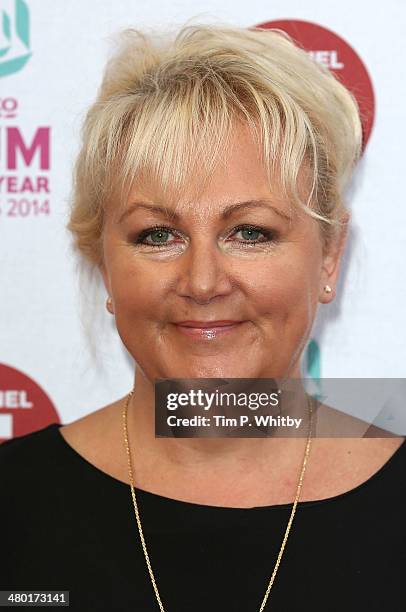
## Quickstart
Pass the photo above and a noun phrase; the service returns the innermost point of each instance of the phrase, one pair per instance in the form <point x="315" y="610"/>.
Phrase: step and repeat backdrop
<point x="60" y="356"/>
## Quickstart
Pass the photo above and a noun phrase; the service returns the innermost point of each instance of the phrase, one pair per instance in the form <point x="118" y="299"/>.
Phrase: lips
<point x="208" y="324"/>
<point x="208" y="330"/>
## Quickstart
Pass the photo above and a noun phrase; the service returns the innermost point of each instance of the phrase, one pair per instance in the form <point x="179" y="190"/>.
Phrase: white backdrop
<point x="362" y="334"/>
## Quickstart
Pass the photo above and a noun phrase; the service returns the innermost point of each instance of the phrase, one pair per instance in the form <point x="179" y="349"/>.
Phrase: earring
<point x="327" y="289"/>
<point x="109" y="305"/>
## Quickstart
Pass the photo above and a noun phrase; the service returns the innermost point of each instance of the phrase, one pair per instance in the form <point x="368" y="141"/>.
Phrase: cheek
<point x="284" y="287"/>
<point x="286" y="308"/>
<point x="139" y="289"/>
<point x="139" y="294"/>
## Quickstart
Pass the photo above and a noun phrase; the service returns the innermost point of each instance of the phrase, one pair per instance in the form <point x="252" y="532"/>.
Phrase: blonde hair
<point x="168" y="103"/>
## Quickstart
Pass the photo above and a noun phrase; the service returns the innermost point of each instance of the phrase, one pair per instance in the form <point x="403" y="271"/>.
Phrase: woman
<point x="209" y="194"/>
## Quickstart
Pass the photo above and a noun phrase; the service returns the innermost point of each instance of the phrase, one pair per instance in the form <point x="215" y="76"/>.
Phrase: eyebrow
<point x="225" y="214"/>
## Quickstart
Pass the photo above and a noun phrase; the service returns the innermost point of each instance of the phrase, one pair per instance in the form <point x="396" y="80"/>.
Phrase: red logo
<point x="24" y="406"/>
<point x="329" y="49"/>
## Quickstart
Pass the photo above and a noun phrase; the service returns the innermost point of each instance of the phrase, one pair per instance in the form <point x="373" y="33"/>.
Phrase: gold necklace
<point x="137" y="515"/>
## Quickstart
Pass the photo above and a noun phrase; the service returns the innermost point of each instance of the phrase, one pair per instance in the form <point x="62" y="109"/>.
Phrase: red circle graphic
<point x="331" y="50"/>
<point x="24" y="406"/>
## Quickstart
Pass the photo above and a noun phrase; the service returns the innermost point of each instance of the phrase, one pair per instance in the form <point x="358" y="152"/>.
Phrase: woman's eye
<point x="157" y="234"/>
<point x="250" y="233"/>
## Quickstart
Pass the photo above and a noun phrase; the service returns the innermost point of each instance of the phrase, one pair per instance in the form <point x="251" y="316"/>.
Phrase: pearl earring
<point x="109" y="304"/>
<point x="327" y="289"/>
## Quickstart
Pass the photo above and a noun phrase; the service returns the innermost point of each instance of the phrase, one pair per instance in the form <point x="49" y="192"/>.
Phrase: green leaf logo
<point x="15" y="39"/>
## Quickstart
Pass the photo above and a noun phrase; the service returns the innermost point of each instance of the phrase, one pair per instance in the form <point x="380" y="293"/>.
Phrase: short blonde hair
<point x="167" y="105"/>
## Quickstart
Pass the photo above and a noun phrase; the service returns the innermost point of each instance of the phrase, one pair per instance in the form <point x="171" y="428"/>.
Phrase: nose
<point x="203" y="271"/>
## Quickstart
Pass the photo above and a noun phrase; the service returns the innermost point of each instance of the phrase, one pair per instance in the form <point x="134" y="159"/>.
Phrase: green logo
<point x="14" y="39"/>
<point x="312" y="369"/>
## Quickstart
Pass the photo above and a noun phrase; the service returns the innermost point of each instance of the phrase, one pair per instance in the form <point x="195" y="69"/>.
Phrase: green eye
<point x="251" y="233"/>
<point x="157" y="235"/>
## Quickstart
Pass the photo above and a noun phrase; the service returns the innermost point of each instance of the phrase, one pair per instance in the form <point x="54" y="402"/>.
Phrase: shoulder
<point x="334" y="423"/>
<point x="41" y="466"/>
<point x="28" y="470"/>
<point x="91" y="433"/>
<point x="96" y="438"/>
<point x="41" y="452"/>
<point x="19" y="453"/>
<point x="366" y="446"/>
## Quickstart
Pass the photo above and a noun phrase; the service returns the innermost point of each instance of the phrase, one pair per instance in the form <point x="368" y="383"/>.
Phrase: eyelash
<point x="270" y="235"/>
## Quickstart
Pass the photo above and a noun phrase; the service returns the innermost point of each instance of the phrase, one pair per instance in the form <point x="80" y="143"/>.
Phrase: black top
<point x="66" y="525"/>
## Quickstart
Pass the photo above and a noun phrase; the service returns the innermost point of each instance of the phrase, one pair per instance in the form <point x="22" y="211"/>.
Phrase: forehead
<point x="238" y="175"/>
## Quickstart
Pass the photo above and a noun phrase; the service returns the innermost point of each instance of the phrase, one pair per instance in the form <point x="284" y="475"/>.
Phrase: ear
<point x="331" y="261"/>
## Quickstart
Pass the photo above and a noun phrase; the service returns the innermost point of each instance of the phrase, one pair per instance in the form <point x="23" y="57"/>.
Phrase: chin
<point x="217" y="370"/>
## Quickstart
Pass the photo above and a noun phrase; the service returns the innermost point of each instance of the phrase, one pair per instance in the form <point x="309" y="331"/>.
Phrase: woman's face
<point x="261" y="265"/>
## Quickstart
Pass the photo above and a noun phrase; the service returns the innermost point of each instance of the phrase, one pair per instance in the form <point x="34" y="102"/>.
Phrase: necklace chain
<point x="137" y="514"/>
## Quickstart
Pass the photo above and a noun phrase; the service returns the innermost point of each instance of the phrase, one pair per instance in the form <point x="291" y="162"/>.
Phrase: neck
<point x="209" y="453"/>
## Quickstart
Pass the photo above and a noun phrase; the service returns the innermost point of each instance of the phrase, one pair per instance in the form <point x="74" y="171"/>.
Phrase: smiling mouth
<point x="208" y="331"/>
